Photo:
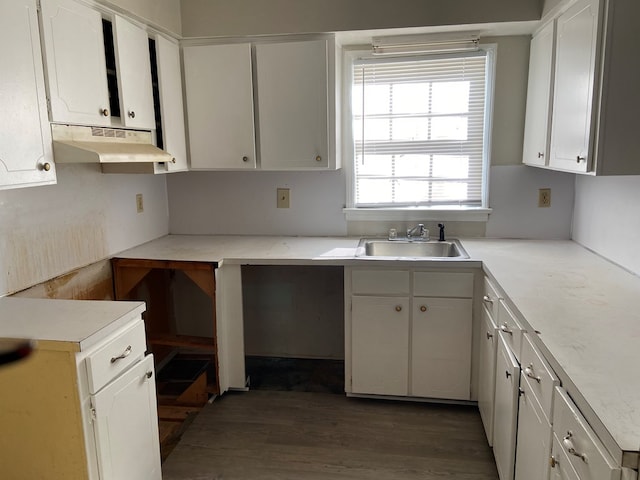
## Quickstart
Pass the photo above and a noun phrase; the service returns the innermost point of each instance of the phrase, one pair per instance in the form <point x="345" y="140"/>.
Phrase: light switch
<point x="283" y="198"/>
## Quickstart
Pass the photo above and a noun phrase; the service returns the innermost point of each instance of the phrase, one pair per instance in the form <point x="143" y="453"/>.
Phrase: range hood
<point x="132" y="150"/>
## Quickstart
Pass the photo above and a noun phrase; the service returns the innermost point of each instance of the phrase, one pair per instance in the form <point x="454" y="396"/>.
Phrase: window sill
<point x="452" y="214"/>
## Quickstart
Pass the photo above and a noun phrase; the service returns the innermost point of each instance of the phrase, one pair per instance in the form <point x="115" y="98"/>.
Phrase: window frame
<point x="440" y="212"/>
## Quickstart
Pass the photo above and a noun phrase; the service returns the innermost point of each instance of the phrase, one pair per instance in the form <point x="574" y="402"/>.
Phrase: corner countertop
<point x="72" y="325"/>
<point x="585" y="307"/>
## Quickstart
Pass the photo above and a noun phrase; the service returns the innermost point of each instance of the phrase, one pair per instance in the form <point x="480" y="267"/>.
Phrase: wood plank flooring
<point x="269" y="435"/>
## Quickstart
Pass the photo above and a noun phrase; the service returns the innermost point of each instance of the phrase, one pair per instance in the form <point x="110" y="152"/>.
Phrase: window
<point x="420" y="128"/>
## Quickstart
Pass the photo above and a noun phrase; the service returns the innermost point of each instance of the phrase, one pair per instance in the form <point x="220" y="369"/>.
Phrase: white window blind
<point x="419" y="129"/>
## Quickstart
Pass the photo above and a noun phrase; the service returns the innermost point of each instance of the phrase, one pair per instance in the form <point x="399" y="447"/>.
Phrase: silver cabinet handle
<point x="505" y="328"/>
<point x="528" y="371"/>
<point x="487" y="299"/>
<point x="540" y="154"/>
<point x="398" y="308"/>
<point x="580" y="159"/>
<point x="507" y="373"/>
<point x="132" y="114"/>
<point x="489" y="336"/>
<point x="318" y="158"/>
<point x="553" y="461"/>
<point x="104" y="112"/>
<point x="245" y="159"/>
<point x="125" y="354"/>
<point x="568" y="445"/>
<point x="149" y="374"/>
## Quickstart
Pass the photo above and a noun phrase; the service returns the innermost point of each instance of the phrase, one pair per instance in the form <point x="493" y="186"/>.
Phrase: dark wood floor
<point x="269" y="435"/>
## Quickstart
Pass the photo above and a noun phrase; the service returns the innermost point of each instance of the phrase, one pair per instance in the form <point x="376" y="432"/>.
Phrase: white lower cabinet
<point x="402" y="342"/>
<point x="487" y="372"/>
<point x="83" y="405"/>
<point x="506" y="409"/>
<point x="380" y="341"/>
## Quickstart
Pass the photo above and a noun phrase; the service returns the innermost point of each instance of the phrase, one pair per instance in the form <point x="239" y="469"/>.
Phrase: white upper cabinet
<point x="134" y="74"/>
<point x="25" y="139"/>
<point x="219" y="94"/>
<point x="293" y="104"/>
<point x="269" y="105"/>
<point x="574" y="87"/>
<point x="171" y="106"/>
<point x="596" y="71"/>
<point x="75" y="60"/>
<point x="536" y="132"/>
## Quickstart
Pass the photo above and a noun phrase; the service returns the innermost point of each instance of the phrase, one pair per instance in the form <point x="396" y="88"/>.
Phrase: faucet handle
<point x="441" y="236"/>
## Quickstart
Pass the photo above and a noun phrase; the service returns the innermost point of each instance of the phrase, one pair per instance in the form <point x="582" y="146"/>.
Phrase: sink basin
<point x="369" y="247"/>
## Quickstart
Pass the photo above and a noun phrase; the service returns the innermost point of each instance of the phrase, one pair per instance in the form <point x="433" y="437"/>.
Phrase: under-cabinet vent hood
<point x="104" y="145"/>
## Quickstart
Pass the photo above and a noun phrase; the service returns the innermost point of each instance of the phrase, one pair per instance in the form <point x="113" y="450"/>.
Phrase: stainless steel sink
<point x="376" y="247"/>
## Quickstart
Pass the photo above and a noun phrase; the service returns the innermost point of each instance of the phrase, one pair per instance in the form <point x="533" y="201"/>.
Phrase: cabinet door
<point x="441" y="348"/>
<point x="292" y="91"/>
<point x="219" y="93"/>
<point x="536" y="131"/>
<point x="487" y="372"/>
<point x="171" y="107"/>
<point x="134" y="74"/>
<point x="380" y="345"/>
<point x="506" y="410"/>
<point x="534" y="437"/>
<point x="75" y="61"/>
<point x="25" y="137"/>
<point x="126" y="426"/>
<point x="574" y="84"/>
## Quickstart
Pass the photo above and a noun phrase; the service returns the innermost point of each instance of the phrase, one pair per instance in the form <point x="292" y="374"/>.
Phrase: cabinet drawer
<point x="380" y="282"/>
<point x="589" y="459"/>
<point x="115" y="357"/>
<point x="539" y="376"/>
<point x="443" y="284"/>
<point x="510" y="328"/>
<point x="490" y="298"/>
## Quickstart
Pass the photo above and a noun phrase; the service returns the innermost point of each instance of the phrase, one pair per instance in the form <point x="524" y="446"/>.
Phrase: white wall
<point x="88" y="216"/>
<point x="245" y="203"/>
<point x="607" y="218"/>
<point x="513" y="196"/>
<point x="258" y="17"/>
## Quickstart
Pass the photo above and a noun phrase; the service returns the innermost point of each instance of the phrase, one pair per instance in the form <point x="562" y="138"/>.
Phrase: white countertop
<point x="74" y="325"/>
<point x="586" y="308"/>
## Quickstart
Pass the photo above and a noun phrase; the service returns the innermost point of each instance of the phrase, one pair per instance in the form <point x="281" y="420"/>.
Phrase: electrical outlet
<point x="283" y="198"/>
<point x="139" y="203"/>
<point x="544" y="197"/>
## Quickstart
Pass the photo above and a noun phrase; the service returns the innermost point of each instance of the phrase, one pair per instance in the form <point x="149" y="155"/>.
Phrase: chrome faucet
<point x="422" y="233"/>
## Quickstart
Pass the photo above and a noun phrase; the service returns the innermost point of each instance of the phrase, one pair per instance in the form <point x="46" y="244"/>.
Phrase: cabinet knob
<point x="46" y="166"/>
<point x="540" y="154"/>
<point x="104" y="112"/>
<point x="553" y="462"/>
<point x="423" y="308"/>
<point x="580" y="159"/>
<point x="132" y="114"/>
<point x="149" y="374"/>
<point x="398" y="308"/>
<point x="489" y="336"/>
<point x="318" y="158"/>
<point x="507" y="373"/>
<point x="245" y="159"/>
<point x="173" y="160"/>
<point x="487" y="299"/>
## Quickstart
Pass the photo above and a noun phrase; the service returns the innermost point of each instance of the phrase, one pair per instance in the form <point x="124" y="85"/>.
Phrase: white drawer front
<point x="490" y="298"/>
<point x="380" y="282"/>
<point x="443" y="284"/>
<point x="115" y="357"/>
<point x="511" y="329"/>
<point x="589" y="459"/>
<point x="539" y="376"/>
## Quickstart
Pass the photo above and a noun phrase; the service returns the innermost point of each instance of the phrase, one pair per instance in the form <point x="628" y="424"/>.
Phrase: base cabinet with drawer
<point x="85" y="397"/>
<point x="408" y="333"/>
